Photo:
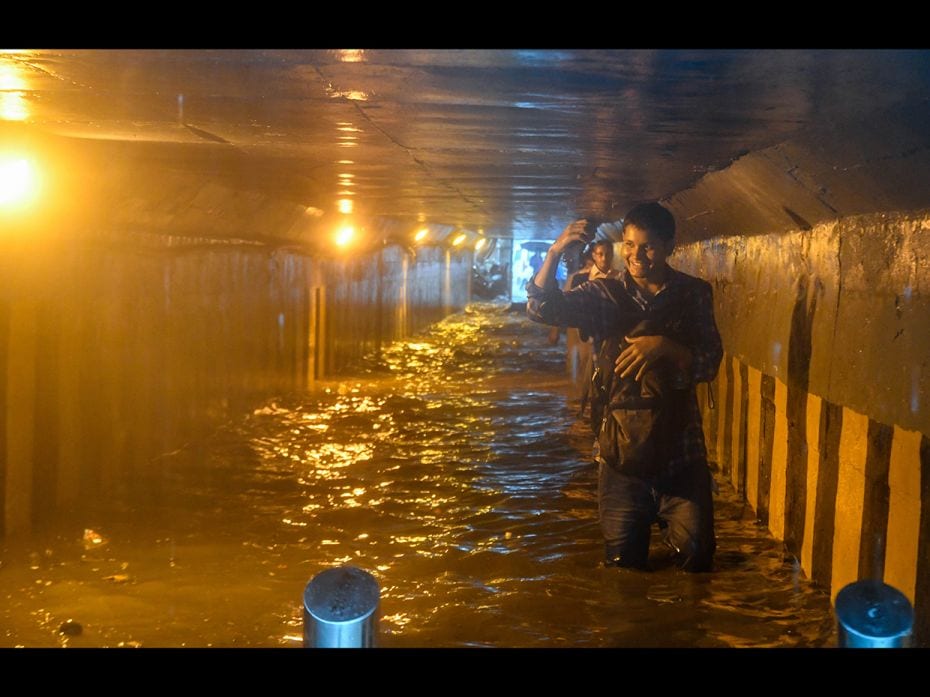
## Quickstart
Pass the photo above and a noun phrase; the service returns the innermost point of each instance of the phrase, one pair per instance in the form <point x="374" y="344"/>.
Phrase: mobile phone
<point x="590" y="229"/>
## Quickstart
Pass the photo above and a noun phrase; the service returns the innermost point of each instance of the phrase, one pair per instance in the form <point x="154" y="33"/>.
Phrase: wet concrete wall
<point x="821" y="417"/>
<point x="114" y="352"/>
<point x="832" y="170"/>
<point x="389" y="295"/>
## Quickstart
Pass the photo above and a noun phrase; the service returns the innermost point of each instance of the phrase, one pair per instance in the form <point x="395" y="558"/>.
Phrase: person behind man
<point x="601" y="254"/>
<point x="674" y="490"/>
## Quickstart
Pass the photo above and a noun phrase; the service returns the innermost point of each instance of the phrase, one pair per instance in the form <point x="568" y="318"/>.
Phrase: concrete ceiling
<point x="513" y="142"/>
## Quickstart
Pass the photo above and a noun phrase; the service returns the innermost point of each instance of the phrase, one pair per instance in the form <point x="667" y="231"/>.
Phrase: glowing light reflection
<point x="13" y="106"/>
<point x="10" y="78"/>
<point x="18" y="181"/>
<point x="345" y="205"/>
<point x="344" y="235"/>
<point x="353" y="95"/>
<point x="351" y="55"/>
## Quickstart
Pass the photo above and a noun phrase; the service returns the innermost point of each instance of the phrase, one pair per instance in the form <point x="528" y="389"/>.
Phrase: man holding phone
<point x="674" y="490"/>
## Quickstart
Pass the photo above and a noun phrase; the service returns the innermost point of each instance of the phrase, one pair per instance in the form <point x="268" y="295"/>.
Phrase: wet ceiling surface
<point x="511" y="142"/>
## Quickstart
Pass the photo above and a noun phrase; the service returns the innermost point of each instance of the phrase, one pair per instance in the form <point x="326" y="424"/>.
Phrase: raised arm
<point x="573" y="233"/>
<point x="587" y="306"/>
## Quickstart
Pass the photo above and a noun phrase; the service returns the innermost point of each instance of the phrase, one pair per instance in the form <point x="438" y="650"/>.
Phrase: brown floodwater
<point x="453" y="469"/>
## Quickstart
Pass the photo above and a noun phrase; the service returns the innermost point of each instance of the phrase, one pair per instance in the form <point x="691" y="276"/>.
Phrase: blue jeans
<point x="683" y="506"/>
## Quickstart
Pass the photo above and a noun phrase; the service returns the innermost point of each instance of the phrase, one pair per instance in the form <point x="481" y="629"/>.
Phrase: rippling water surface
<point x="452" y="469"/>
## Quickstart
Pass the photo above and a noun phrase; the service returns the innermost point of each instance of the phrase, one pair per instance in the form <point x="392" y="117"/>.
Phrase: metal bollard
<point x="340" y="609"/>
<point x="873" y="615"/>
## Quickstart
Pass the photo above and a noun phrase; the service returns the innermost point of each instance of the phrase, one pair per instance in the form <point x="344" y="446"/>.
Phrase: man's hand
<point x="642" y="352"/>
<point x="573" y="232"/>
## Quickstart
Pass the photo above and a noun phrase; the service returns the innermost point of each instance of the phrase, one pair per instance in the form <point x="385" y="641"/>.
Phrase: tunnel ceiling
<point x="514" y="142"/>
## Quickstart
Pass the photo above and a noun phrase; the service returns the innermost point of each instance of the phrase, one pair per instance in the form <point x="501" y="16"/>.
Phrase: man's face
<point x="644" y="253"/>
<point x="603" y="255"/>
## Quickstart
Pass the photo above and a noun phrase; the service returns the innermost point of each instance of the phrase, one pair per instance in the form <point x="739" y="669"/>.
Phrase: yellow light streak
<point x="344" y="235"/>
<point x="19" y="182"/>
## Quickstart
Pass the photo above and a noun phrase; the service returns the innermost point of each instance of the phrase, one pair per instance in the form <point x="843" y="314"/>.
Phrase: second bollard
<point x="873" y="615"/>
<point x="340" y="609"/>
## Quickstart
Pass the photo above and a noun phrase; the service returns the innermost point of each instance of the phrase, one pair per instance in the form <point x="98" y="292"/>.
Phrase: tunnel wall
<point x="114" y="353"/>
<point x="832" y="169"/>
<point x="367" y="307"/>
<point x="820" y="416"/>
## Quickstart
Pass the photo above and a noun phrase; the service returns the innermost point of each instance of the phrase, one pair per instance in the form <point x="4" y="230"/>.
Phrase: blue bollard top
<point x="872" y="609"/>
<point x="343" y="594"/>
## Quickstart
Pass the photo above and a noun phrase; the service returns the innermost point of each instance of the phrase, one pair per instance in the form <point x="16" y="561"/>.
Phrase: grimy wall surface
<point x="114" y="352"/>
<point x="821" y="416"/>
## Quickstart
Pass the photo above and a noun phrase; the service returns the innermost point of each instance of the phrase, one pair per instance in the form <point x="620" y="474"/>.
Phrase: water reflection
<point x="13" y="87"/>
<point x="451" y="468"/>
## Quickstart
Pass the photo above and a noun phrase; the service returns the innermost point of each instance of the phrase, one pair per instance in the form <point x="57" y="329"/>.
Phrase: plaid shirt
<point x="591" y="308"/>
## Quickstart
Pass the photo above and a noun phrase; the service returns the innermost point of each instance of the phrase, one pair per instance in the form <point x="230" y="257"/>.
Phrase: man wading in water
<point x="659" y="323"/>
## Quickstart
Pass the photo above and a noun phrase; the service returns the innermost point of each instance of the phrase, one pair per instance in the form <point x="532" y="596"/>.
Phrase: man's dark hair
<point x="601" y="243"/>
<point x="652" y="218"/>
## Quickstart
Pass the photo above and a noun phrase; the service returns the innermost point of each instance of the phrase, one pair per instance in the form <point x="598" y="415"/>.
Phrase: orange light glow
<point x="19" y="182"/>
<point x="344" y="235"/>
<point x="421" y="235"/>
<point x="345" y="205"/>
<point x="479" y="245"/>
<point x="13" y="105"/>
<point x="352" y="55"/>
<point x="459" y="239"/>
<point x="10" y="78"/>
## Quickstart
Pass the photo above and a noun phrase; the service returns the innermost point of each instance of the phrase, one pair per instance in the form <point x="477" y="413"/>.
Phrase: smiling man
<point x="663" y="479"/>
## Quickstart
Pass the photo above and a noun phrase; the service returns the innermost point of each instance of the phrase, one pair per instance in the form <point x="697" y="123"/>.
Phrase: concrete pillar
<point x="318" y="334"/>
<point x="738" y="432"/>
<point x="903" y="512"/>
<point x="20" y="415"/>
<point x="850" y="498"/>
<point x="813" y="467"/>
<point x="753" y="437"/>
<point x="724" y="416"/>
<point x="447" y="284"/>
<point x="402" y="300"/>
<point x="779" y="462"/>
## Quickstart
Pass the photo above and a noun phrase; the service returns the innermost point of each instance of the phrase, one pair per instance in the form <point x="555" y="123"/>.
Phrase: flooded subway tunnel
<point x="452" y="469"/>
<point x="262" y="315"/>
